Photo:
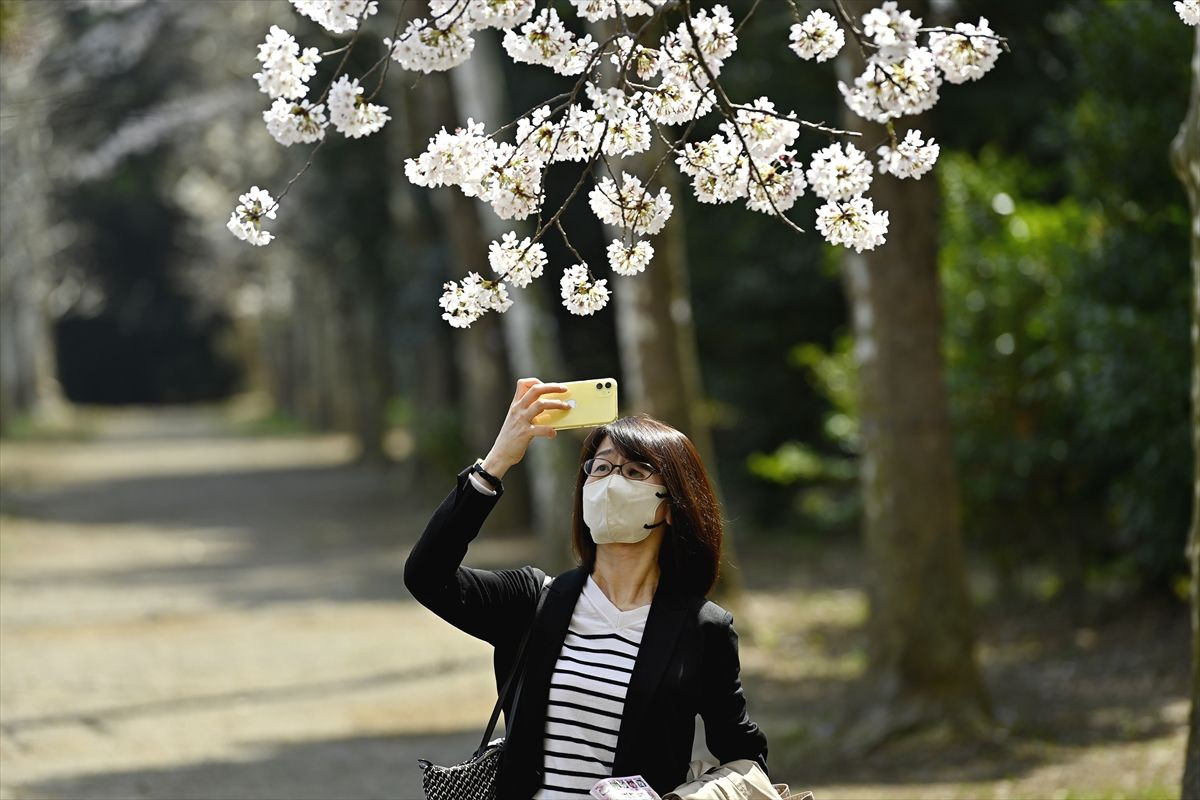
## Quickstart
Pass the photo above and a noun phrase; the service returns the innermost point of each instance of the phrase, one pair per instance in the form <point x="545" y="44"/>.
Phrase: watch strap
<point x="491" y="479"/>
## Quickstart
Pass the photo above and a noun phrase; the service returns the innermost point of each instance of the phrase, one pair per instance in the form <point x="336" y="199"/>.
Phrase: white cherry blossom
<point x="1188" y="11"/>
<point x="718" y="167"/>
<point x="642" y="61"/>
<point x="629" y="259"/>
<point x="625" y="128"/>
<point x="596" y="10"/>
<point x="285" y="70"/>
<point x="632" y="208"/>
<point x="579" y="134"/>
<point x="886" y="90"/>
<point x="431" y="46"/>
<point x="511" y="183"/>
<point x="246" y="220"/>
<point x="965" y="55"/>
<point x="911" y="158"/>
<point x="837" y="174"/>
<point x="545" y="40"/>
<point x="295" y="121"/>
<point x="580" y="294"/>
<point x="852" y="223"/>
<point x="765" y="133"/>
<point x="537" y="134"/>
<point x="818" y="37"/>
<point x="350" y="113"/>
<point x="452" y="158"/>
<point x="465" y="302"/>
<point x="476" y="14"/>
<point x="776" y="187"/>
<point x="517" y="261"/>
<point x="336" y="16"/>
<point x="893" y="31"/>
<point x="715" y="33"/>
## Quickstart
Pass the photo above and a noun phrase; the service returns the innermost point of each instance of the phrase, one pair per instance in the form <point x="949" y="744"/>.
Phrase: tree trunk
<point x="1185" y="157"/>
<point x="921" y="629"/>
<point x="424" y="374"/>
<point x="365" y="324"/>
<point x="28" y="364"/>
<point x="530" y="331"/>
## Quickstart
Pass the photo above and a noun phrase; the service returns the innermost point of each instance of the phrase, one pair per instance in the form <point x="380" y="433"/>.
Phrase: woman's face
<point x="608" y="451"/>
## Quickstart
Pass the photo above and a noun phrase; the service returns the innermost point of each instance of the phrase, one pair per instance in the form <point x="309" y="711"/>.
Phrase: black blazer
<point x="687" y="663"/>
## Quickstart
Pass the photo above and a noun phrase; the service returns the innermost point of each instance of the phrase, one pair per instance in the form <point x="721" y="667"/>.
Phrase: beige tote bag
<point x="743" y="779"/>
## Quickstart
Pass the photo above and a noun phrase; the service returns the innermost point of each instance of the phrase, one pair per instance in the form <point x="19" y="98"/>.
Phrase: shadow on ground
<point x="335" y="769"/>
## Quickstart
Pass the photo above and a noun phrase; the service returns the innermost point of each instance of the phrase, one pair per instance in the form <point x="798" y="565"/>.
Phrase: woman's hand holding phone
<point x="518" y="431"/>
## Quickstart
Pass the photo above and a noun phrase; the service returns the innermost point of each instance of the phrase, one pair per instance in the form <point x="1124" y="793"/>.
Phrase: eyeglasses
<point x="633" y="470"/>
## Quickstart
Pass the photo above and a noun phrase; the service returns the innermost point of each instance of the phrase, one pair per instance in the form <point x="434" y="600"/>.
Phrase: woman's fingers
<point x="544" y="430"/>
<point x="538" y="406"/>
<point x="539" y="389"/>
<point x="523" y="385"/>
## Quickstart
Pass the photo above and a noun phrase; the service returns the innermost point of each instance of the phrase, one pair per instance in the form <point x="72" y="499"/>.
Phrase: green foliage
<point x="1066" y="295"/>
<point x="24" y="427"/>
<point x="11" y="12"/>
<point x="826" y="494"/>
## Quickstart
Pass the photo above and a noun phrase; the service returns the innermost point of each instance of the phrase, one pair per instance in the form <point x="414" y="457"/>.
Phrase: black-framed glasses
<point x="633" y="470"/>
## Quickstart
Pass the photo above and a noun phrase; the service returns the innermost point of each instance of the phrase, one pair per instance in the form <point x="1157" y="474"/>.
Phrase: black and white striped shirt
<point x="587" y="694"/>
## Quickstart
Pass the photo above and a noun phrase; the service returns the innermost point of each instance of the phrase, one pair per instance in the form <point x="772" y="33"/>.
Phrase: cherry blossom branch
<point x="387" y="56"/>
<point x="724" y="103"/>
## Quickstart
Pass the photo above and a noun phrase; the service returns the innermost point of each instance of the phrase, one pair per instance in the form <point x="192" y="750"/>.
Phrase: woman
<point x="626" y="650"/>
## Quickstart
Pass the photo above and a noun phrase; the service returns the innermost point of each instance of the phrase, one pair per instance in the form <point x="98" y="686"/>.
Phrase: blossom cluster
<point x="817" y="37"/>
<point x="902" y="77"/>
<point x="336" y="16"/>
<point x="246" y="220"/>
<point x="285" y="70"/>
<point x="463" y="303"/>
<point x="750" y="158"/>
<point x="669" y="81"/>
<point x="1188" y="11"/>
<point x="350" y="113"/>
<point x="911" y="158"/>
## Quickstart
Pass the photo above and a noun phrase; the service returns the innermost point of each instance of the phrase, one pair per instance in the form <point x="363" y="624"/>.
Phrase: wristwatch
<point x="491" y="479"/>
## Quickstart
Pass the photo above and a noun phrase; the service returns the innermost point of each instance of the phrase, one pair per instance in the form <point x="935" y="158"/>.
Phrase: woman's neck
<point x="627" y="574"/>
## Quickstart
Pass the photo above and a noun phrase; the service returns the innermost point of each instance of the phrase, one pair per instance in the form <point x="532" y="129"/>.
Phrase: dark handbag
<point x="475" y="778"/>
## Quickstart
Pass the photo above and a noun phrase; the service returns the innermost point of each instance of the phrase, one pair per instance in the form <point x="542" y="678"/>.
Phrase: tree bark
<point x="922" y="661"/>
<point x="1185" y="157"/>
<point x="28" y="363"/>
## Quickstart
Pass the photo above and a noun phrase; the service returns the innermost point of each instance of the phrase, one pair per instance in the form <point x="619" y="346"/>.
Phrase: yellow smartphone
<point x="593" y="402"/>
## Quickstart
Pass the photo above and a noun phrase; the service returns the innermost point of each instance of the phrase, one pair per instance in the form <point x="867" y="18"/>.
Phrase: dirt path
<point x="187" y="613"/>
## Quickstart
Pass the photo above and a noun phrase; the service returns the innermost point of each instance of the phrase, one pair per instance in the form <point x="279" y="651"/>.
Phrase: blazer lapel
<point x="550" y="629"/>
<point x="665" y="620"/>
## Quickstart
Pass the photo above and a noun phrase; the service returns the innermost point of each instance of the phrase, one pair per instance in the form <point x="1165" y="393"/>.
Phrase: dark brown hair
<point x="690" y="555"/>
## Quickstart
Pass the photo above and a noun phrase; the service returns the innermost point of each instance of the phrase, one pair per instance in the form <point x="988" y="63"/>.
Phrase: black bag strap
<point x="517" y="668"/>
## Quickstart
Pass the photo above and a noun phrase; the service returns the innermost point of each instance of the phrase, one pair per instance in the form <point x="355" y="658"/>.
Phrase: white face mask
<point x="617" y="509"/>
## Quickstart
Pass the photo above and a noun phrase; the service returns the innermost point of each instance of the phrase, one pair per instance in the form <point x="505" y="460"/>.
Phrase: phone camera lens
<point x="598" y="386"/>
<point x="608" y="384"/>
